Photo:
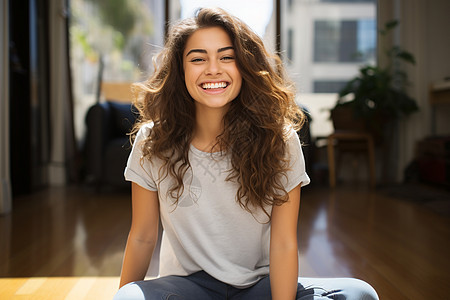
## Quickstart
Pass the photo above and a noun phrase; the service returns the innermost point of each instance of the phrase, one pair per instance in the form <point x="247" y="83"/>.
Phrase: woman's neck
<point x="208" y="126"/>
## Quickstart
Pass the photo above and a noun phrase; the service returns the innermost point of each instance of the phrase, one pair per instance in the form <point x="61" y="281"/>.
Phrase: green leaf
<point x="388" y="26"/>
<point x="391" y="24"/>
<point x="406" y="56"/>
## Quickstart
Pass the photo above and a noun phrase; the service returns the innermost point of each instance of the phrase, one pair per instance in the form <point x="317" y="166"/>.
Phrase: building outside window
<point x="325" y="42"/>
<point x="344" y="41"/>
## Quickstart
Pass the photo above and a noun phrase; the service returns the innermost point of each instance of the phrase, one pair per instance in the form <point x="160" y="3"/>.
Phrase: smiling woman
<point x="218" y="162"/>
<point x="210" y="72"/>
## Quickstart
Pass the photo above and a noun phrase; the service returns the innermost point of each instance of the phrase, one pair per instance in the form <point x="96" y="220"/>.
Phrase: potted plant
<point x="377" y="94"/>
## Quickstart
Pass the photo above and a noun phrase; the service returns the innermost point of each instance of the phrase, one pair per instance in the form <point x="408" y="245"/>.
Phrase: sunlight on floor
<point x="57" y="288"/>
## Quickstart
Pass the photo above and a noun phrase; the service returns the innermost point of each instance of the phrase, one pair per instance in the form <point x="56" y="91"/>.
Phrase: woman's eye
<point x="228" y="58"/>
<point x="197" y="60"/>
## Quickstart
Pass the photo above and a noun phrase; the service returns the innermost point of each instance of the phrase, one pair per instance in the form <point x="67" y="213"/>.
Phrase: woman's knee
<point x="338" y="288"/>
<point x="130" y="291"/>
<point x="362" y="290"/>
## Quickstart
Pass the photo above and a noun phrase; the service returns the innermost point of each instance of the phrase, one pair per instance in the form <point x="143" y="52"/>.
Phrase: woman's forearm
<point x="143" y="234"/>
<point x="284" y="273"/>
<point x="284" y="249"/>
<point x="136" y="260"/>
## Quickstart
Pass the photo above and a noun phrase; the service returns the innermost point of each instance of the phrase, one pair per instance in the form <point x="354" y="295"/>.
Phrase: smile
<point x="214" y="85"/>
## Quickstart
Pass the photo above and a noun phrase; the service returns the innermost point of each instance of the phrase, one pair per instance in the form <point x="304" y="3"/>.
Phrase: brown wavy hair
<point x="254" y="127"/>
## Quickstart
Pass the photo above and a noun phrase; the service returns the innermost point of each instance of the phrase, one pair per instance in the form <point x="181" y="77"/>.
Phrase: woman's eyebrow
<point x="197" y="50"/>
<point x="204" y="51"/>
<point x="225" y="49"/>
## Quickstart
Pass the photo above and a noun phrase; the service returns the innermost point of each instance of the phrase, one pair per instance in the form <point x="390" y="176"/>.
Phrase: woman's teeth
<point x="215" y="85"/>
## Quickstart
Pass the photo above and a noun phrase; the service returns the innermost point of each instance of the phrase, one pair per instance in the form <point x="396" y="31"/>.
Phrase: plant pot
<point x="344" y="119"/>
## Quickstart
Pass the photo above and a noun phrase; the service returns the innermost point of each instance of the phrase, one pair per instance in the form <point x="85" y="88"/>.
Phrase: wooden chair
<point x="117" y="91"/>
<point x="350" y="135"/>
<point x="359" y="138"/>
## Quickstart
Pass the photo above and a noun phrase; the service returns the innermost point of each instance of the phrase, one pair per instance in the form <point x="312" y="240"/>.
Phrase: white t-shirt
<point x="208" y="230"/>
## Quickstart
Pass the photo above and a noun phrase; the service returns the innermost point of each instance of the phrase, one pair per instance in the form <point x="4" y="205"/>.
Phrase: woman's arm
<point x="143" y="234"/>
<point x="284" y="248"/>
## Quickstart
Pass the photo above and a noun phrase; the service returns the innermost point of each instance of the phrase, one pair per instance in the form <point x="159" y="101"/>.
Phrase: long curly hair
<point x="254" y="126"/>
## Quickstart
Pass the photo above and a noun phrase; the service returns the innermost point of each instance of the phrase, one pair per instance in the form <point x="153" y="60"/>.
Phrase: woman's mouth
<point x="214" y="85"/>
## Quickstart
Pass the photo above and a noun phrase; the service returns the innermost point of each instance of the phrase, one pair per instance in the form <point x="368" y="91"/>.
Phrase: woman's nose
<point x="213" y="67"/>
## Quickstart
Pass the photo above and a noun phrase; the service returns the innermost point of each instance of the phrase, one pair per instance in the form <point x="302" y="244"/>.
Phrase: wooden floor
<point x="67" y="243"/>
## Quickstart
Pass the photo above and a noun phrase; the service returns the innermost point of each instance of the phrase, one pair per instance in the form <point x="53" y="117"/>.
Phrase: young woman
<point x="217" y="163"/>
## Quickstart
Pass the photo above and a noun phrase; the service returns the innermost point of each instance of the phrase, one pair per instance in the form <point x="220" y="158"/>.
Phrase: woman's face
<point x="211" y="75"/>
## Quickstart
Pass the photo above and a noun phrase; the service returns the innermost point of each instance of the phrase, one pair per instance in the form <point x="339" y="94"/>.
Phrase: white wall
<point x="424" y="32"/>
<point x="438" y="55"/>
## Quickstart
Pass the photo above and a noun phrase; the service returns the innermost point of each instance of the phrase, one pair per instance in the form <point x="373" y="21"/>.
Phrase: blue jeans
<point x="201" y="286"/>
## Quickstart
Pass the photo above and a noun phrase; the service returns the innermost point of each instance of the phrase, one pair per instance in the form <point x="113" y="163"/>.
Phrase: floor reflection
<point x="65" y="232"/>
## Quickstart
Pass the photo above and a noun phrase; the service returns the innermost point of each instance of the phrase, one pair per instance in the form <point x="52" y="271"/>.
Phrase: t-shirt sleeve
<point x="139" y="170"/>
<point x="297" y="171"/>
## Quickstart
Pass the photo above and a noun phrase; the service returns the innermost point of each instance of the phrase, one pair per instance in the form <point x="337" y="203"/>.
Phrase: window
<point x="330" y="86"/>
<point x="111" y="41"/>
<point x="344" y="41"/>
<point x="323" y="44"/>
